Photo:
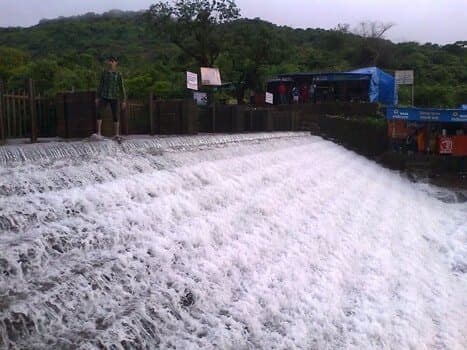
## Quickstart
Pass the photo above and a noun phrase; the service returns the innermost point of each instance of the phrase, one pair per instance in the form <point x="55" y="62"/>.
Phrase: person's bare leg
<point x="117" y="129"/>
<point x="99" y="127"/>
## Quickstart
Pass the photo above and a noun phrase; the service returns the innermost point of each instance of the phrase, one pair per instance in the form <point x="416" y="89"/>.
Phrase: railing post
<point x="214" y="117"/>
<point x="151" y="114"/>
<point x="2" y="114"/>
<point x="125" y="113"/>
<point x="32" y="111"/>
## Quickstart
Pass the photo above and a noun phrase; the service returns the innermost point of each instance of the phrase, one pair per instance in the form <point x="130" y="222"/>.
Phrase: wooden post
<point x="32" y="111"/>
<point x="38" y="105"/>
<point x="14" y="119"/>
<point x="179" y="125"/>
<point x="2" y="115"/>
<point x="251" y="119"/>
<point x="213" y="113"/>
<point x="151" y="114"/>
<point x="125" y="113"/>
<point x="6" y="114"/>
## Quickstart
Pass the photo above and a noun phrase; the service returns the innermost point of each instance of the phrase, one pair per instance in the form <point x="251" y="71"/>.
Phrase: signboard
<point x="211" y="76"/>
<point x="201" y="98"/>
<point x="427" y="114"/>
<point x="404" y="77"/>
<point x="191" y="81"/>
<point x="269" y="98"/>
<point x="445" y="145"/>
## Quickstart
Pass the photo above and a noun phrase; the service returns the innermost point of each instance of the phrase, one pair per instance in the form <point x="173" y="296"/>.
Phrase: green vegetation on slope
<point x="68" y="53"/>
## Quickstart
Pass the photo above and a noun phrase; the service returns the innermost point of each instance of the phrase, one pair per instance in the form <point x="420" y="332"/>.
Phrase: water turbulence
<point x="267" y="241"/>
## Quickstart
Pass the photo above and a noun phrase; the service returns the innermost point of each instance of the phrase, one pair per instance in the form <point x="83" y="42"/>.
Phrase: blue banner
<point x="427" y="115"/>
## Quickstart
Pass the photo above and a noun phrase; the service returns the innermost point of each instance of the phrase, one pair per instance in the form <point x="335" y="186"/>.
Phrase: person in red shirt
<point x="421" y="140"/>
<point x="282" y="90"/>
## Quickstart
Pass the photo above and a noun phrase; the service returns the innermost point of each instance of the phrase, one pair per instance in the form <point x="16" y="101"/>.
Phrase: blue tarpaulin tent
<point x="382" y="85"/>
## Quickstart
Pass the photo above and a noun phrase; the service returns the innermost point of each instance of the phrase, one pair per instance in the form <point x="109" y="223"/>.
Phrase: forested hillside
<point x="68" y="53"/>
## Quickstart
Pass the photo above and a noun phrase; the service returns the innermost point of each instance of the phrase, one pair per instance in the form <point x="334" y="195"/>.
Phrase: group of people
<point x="419" y="141"/>
<point x="426" y="140"/>
<point x="306" y="93"/>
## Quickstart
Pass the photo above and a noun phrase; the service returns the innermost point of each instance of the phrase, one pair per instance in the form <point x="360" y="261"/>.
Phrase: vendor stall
<point x="369" y="84"/>
<point x="442" y="131"/>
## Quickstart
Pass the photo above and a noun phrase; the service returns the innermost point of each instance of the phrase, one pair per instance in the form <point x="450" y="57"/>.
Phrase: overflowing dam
<point x="254" y="241"/>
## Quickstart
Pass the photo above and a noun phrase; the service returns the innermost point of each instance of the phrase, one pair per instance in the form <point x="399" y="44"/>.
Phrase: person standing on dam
<point x="111" y="91"/>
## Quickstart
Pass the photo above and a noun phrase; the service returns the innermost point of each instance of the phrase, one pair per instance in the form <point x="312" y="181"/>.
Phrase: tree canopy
<point x="192" y="26"/>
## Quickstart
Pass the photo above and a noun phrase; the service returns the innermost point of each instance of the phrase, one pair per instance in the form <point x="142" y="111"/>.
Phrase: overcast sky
<point x="437" y="21"/>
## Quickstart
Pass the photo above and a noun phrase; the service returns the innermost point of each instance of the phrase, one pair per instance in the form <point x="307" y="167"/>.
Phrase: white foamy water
<point x="269" y="241"/>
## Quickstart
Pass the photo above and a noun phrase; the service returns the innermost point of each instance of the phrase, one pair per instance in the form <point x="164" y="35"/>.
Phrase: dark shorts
<point x="114" y="106"/>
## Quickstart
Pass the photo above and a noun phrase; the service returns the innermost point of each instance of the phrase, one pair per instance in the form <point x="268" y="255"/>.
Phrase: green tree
<point x="192" y="25"/>
<point x="253" y="47"/>
<point x="374" y="50"/>
<point x="433" y="96"/>
<point x="11" y="60"/>
<point x="44" y="72"/>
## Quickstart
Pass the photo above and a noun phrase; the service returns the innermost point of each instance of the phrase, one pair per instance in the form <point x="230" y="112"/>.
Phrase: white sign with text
<point x="404" y="77"/>
<point x="269" y="98"/>
<point x="192" y="81"/>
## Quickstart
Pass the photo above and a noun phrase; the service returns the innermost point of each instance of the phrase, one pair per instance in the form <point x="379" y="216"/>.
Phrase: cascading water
<point x="267" y="241"/>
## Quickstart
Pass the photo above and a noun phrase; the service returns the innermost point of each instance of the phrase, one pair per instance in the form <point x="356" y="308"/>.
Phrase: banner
<point x="269" y="98"/>
<point x="210" y="76"/>
<point x="426" y="114"/>
<point x="192" y="81"/>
